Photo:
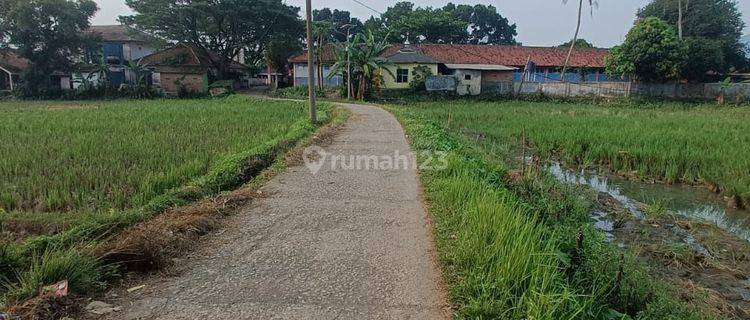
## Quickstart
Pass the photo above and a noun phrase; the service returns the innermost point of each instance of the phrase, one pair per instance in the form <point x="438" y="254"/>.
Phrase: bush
<point x="84" y="274"/>
<point x="419" y="78"/>
<point x="299" y="92"/>
<point x="651" y="52"/>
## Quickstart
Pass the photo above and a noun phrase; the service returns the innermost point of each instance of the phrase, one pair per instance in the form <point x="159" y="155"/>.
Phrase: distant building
<point x="118" y="46"/>
<point x="11" y="67"/>
<point x="187" y="66"/>
<point x="476" y="68"/>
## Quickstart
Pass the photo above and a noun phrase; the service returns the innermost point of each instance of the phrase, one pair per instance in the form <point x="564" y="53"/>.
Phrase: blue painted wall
<point x="569" y="77"/>
<point x="113" y="49"/>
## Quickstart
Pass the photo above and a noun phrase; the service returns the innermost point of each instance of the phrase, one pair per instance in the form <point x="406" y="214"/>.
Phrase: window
<point x="402" y="75"/>
<point x="467" y="77"/>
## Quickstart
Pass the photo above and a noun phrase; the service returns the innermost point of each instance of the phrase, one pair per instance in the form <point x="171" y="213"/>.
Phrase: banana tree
<point x="140" y="81"/>
<point x="365" y="59"/>
<point x="101" y="70"/>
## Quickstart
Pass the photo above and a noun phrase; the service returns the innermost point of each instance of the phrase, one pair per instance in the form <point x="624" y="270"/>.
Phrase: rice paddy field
<point x="75" y="174"/>
<point x="74" y="158"/>
<point x="670" y="142"/>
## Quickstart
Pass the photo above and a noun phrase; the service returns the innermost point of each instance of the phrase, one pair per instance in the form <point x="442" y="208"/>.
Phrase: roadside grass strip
<point x="524" y="248"/>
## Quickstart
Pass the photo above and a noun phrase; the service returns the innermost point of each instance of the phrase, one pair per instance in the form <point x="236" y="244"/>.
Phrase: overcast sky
<point x="540" y="22"/>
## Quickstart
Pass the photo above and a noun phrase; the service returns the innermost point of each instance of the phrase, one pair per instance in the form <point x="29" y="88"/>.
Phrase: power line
<point x="368" y="7"/>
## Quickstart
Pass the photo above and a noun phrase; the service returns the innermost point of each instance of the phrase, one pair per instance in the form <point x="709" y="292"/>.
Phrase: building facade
<point x="118" y="47"/>
<point x="476" y="68"/>
<point x="185" y="67"/>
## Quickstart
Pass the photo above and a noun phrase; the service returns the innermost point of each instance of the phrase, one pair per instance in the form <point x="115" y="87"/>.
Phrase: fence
<point x="701" y="91"/>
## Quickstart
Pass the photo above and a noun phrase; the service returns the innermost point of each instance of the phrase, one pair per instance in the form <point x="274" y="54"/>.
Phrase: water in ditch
<point x="691" y="202"/>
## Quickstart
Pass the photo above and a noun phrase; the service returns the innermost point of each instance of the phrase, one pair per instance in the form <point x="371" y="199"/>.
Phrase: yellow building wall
<point x="389" y="82"/>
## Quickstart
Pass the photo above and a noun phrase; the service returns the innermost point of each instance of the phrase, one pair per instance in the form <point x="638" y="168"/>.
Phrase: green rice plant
<point x="656" y="209"/>
<point x="671" y="142"/>
<point x="96" y="156"/>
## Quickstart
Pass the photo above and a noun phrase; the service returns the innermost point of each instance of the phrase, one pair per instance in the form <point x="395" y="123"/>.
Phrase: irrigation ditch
<point x="685" y="234"/>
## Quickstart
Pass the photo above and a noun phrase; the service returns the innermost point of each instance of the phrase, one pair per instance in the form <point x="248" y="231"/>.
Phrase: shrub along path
<point x="339" y="244"/>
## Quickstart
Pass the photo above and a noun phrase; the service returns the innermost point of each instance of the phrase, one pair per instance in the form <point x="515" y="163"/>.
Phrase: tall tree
<point x="485" y="24"/>
<point x="341" y="20"/>
<point x="478" y="24"/>
<point x="573" y="42"/>
<point x="279" y="49"/>
<point x="580" y="43"/>
<point x="652" y="52"/>
<point x="714" y="20"/>
<point x="226" y="27"/>
<point x="47" y="33"/>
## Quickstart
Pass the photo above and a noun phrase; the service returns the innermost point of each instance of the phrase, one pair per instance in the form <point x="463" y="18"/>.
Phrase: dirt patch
<point x="47" y="307"/>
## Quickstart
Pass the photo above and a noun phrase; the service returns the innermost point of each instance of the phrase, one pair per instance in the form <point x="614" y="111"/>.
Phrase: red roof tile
<point x="514" y="55"/>
<point x="328" y="53"/>
<point x="491" y="54"/>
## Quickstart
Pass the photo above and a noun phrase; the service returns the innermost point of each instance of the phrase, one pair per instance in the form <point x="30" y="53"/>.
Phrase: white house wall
<point x="472" y="86"/>
<point x="300" y="76"/>
<point x="133" y="51"/>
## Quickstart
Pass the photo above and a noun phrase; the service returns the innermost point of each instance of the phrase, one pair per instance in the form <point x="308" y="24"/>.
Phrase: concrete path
<point x="340" y="244"/>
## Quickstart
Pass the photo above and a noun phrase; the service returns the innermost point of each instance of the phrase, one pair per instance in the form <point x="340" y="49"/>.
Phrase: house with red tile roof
<point x="185" y="66"/>
<point x="477" y="68"/>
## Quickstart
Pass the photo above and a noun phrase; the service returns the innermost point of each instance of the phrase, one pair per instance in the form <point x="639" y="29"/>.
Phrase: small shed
<point x="474" y="78"/>
<point x="185" y="66"/>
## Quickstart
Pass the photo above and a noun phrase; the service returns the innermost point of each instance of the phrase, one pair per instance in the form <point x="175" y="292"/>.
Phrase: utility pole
<point x="348" y="27"/>
<point x="348" y="67"/>
<point x="310" y="59"/>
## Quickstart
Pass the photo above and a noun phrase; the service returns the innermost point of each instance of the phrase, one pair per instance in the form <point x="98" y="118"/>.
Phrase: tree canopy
<point x="651" y="52"/>
<point x="226" y="27"/>
<point x="47" y="33"/>
<point x="580" y="44"/>
<point x="708" y="23"/>
<point x="340" y="21"/>
<point x="478" y="24"/>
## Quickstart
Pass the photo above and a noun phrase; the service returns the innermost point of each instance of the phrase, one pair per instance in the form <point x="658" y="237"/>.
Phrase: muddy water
<point x="691" y="202"/>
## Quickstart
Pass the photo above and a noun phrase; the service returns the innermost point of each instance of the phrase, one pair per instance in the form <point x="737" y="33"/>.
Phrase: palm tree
<point x="366" y="62"/>
<point x="322" y="31"/>
<point x="592" y="4"/>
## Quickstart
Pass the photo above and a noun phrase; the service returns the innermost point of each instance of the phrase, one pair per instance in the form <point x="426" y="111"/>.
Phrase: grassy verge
<point x="670" y="142"/>
<point x="520" y="246"/>
<point x="74" y="253"/>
